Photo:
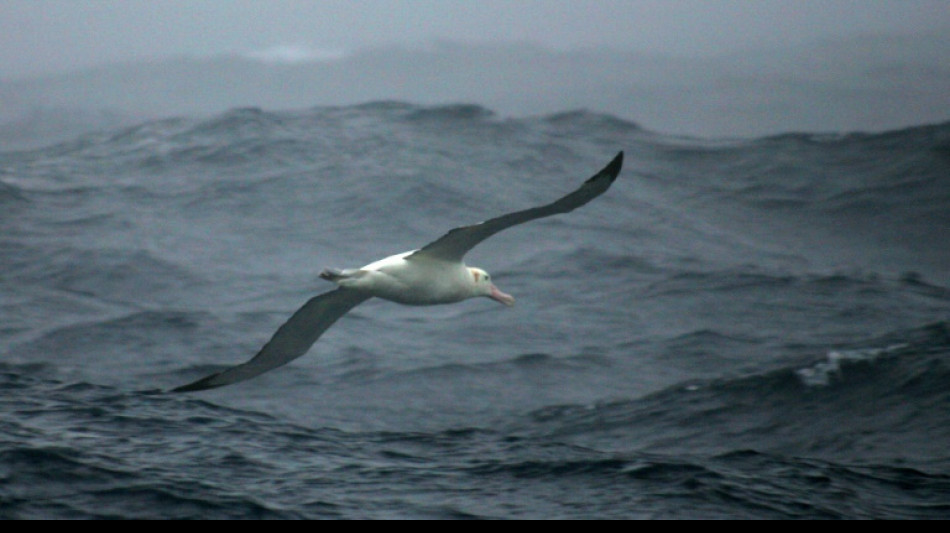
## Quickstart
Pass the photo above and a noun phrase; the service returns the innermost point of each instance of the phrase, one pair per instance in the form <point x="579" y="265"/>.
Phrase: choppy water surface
<point x="738" y="328"/>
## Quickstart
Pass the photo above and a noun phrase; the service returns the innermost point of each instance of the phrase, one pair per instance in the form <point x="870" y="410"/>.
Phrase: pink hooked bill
<point x="499" y="296"/>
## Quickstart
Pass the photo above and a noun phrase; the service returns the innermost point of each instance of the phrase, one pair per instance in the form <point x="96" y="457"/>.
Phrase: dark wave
<point x="776" y="485"/>
<point x="792" y="170"/>
<point x="240" y="121"/>
<point x="455" y="113"/>
<point x="143" y="457"/>
<point x="109" y="343"/>
<point x="67" y="483"/>
<point x="591" y="121"/>
<point x="117" y="275"/>
<point x="845" y="286"/>
<point x="822" y="408"/>
<point x="558" y="468"/>
<point x="517" y="362"/>
<point x="10" y="194"/>
<point x="904" y="170"/>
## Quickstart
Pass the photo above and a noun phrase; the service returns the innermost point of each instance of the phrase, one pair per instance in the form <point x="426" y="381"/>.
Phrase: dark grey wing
<point x="291" y="340"/>
<point x="456" y="243"/>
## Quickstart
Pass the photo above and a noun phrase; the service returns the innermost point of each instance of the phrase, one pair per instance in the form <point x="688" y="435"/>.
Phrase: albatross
<point x="434" y="274"/>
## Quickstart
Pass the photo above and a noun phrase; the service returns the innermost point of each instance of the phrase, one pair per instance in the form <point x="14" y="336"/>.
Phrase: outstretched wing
<point x="456" y="243"/>
<point x="291" y="340"/>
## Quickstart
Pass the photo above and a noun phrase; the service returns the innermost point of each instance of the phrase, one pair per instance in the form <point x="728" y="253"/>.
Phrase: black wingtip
<point x="200" y="385"/>
<point x="612" y="170"/>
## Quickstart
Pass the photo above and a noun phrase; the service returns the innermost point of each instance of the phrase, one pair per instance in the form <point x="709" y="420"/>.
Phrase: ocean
<point x="739" y="328"/>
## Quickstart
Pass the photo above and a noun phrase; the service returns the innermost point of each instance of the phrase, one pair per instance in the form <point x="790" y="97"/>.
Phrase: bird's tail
<point x="336" y="275"/>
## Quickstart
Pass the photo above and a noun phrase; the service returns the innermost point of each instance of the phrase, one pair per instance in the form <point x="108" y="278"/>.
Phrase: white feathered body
<point x="421" y="280"/>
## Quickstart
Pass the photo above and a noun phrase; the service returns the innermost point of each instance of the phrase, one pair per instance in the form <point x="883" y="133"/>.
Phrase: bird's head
<point x="484" y="287"/>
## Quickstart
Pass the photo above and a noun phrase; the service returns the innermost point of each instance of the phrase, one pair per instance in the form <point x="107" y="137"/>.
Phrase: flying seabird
<point x="433" y="274"/>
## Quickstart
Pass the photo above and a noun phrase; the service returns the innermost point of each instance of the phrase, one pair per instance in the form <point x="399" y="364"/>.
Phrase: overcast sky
<point x="41" y="36"/>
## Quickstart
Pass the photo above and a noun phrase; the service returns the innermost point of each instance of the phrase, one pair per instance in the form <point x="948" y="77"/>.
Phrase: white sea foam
<point x="821" y="374"/>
